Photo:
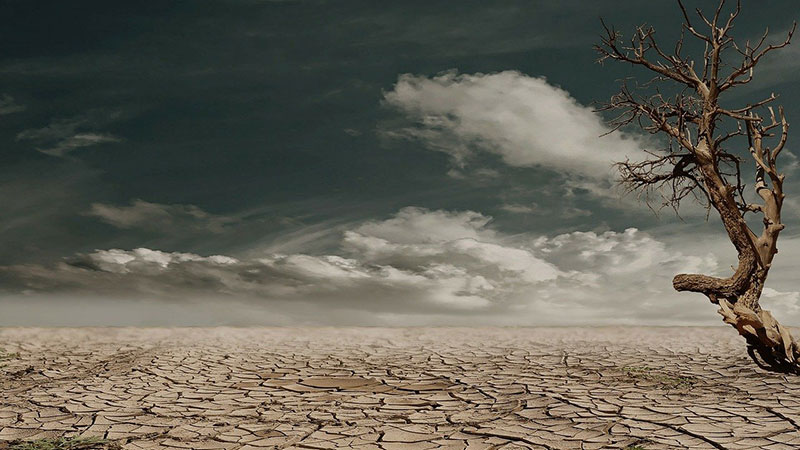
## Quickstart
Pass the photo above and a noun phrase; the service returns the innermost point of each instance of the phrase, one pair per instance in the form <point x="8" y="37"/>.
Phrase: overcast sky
<point x="252" y="162"/>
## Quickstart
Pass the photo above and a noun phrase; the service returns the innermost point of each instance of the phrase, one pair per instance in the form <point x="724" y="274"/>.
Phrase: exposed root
<point x="769" y="343"/>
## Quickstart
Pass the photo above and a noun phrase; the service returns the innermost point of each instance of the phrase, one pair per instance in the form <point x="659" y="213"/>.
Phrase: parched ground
<point x="395" y="388"/>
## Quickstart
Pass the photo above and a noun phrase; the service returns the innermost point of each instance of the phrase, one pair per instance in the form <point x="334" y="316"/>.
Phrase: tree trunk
<point x="738" y="295"/>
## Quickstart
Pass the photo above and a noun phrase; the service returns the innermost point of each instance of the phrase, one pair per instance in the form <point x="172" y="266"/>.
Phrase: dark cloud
<point x="63" y="136"/>
<point x="155" y="216"/>
<point x="9" y="106"/>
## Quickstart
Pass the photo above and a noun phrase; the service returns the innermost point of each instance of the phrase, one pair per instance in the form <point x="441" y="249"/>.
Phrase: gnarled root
<point x="769" y="343"/>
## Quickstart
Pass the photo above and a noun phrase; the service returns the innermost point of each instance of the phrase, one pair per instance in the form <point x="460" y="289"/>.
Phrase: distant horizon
<point x="166" y="327"/>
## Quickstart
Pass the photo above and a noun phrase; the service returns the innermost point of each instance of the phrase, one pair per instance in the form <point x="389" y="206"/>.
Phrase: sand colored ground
<point x="379" y="388"/>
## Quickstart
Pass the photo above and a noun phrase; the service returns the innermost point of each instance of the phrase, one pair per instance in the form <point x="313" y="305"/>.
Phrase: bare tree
<point x="710" y="150"/>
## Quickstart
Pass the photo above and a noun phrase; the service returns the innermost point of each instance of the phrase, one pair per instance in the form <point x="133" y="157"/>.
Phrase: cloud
<point x="160" y="217"/>
<point x="63" y="136"/>
<point x="631" y="251"/>
<point x="413" y="225"/>
<point x="563" y="211"/>
<point x="524" y="120"/>
<point x="516" y="208"/>
<point x="77" y="141"/>
<point x="417" y="267"/>
<point x="620" y="277"/>
<point x="9" y="106"/>
<point x="781" y="304"/>
<point x="418" y="240"/>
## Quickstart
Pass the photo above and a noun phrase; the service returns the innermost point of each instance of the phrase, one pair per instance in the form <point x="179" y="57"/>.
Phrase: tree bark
<point x="747" y="274"/>
<point x="738" y="295"/>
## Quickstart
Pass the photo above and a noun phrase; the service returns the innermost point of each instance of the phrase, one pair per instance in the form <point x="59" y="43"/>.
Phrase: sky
<point x="312" y="162"/>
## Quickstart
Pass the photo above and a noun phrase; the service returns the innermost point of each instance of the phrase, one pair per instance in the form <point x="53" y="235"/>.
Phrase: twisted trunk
<point x="738" y="296"/>
<point x="747" y="276"/>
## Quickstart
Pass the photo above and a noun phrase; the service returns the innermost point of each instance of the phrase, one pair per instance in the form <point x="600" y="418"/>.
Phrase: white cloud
<point x="415" y="225"/>
<point x="415" y="266"/>
<point x="120" y="261"/>
<point x="524" y="120"/>
<point x="160" y="217"/>
<point x="620" y="277"/>
<point x="619" y="253"/>
<point x="417" y="238"/>
<point x="781" y="303"/>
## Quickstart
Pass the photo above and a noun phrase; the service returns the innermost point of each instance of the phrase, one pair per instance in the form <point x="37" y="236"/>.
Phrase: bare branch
<point x="751" y="57"/>
<point x="636" y="53"/>
<point x="731" y="18"/>
<point x="688" y="24"/>
<point x="672" y="175"/>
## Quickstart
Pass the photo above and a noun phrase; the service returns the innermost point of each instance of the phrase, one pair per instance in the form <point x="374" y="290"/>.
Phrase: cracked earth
<point x="395" y="388"/>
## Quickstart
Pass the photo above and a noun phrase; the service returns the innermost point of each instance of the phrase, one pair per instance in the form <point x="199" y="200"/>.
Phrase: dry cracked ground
<point x="378" y="388"/>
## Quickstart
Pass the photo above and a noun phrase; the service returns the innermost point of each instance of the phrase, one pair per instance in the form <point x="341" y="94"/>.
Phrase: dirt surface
<point x="379" y="388"/>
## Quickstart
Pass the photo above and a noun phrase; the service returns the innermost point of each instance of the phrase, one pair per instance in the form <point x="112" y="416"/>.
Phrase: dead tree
<point x="709" y="150"/>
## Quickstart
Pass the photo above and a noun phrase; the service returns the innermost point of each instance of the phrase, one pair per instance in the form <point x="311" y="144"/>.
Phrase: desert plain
<point x="394" y="388"/>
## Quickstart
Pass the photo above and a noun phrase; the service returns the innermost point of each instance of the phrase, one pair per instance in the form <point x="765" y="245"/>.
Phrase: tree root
<point x="769" y="343"/>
